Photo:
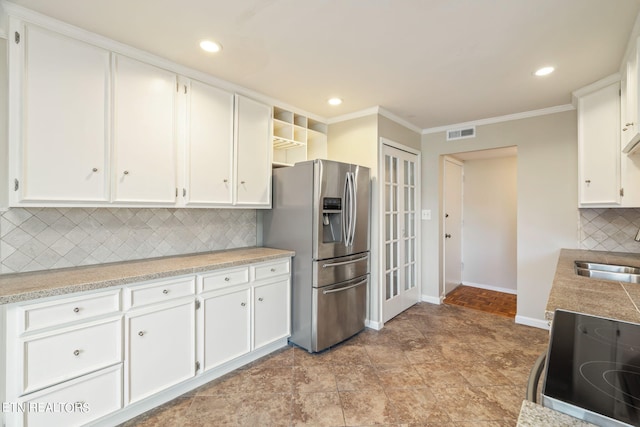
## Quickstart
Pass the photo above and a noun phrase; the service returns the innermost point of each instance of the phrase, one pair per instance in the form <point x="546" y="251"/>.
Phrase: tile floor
<point x="433" y="365"/>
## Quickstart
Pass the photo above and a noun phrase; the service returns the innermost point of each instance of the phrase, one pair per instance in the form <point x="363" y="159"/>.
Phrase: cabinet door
<point x="253" y="153"/>
<point x="209" y="145"/>
<point x="271" y="312"/>
<point x="226" y="325"/>
<point x="65" y="119"/>
<point x="630" y="125"/>
<point x="598" y="147"/>
<point x="144" y="133"/>
<point x="161" y="348"/>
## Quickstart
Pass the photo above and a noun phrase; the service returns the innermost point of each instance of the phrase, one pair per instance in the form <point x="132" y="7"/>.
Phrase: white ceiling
<point x="430" y="62"/>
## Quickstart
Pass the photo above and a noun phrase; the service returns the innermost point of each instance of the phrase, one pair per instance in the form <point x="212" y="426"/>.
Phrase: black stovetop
<point x="593" y="369"/>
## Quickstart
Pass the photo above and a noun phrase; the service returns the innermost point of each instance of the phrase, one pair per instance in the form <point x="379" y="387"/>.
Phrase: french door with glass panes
<point x="401" y="192"/>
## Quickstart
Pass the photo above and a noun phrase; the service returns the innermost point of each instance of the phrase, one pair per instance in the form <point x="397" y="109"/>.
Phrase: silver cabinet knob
<point x="243" y="304"/>
<point x="126" y="172"/>
<point x="242" y="182"/>
<point x="141" y="333"/>
<point x="76" y="310"/>
<point x="273" y="270"/>
<point x="447" y="236"/>
<point x="226" y="279"/>
<point x="260" y="299"/>
<point x="225" y="180"/>
<point x="588" y="181"/>
<point x="95" y="169"/>
<point x="76" y="353"/>
<point x="166" y="291"/>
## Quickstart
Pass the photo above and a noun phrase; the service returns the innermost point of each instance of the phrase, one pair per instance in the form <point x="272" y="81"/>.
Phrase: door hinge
<point x="184" y="192"/>
<point x="620" y="93"/>
<point x="16" y="37"/>
<point x="622" y="192"/>
<point x="185" y="89"/>
<point x="177" y="86"/>
<point x="176" y="192"/>
<point x="16" y="185"/>
<point x="198" y="304"/>
<point x="197" y="366"/>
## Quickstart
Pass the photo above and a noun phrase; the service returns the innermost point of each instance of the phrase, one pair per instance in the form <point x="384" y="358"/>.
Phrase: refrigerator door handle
<point x="336" y="264"/>
<point x="354" y="210"/>
<point x="346" y="211"/>
<point x="333" y="291"/>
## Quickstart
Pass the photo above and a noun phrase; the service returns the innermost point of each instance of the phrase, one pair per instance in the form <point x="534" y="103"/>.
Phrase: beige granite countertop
<point x="534" y="415"/>
<point x="26" y="286"/>
<point x="604" y="298"/>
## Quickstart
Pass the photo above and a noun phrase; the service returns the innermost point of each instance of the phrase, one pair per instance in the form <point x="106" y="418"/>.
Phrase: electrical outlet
<point x="426" y="214"/>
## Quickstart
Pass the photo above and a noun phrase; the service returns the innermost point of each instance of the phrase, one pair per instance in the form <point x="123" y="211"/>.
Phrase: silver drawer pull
<point x="333" y="291"/>
<point x="336" y="264"/>
<point x="166" y="291"/>
<point x="141" y="333"/>
<point x="76" y="310"/>
<point x="76" y="353"/>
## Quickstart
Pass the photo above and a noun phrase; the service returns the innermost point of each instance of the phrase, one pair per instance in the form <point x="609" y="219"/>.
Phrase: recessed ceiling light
<point x="335" y="101"/>
<point x="210" y="46"/>
<point x="544" y="71"/>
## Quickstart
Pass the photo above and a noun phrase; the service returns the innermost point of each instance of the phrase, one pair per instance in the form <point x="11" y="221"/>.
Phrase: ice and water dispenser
<point x="331" y="219"/>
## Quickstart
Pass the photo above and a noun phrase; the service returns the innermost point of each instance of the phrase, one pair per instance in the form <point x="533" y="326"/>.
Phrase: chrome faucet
<point x="637" y="238"/>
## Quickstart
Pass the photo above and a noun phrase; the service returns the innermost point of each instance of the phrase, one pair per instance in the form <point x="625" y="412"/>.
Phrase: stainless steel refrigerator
<point x="321" y="211"/>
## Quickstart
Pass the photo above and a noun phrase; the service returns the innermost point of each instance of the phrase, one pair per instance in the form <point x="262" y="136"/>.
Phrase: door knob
<point x="447" y="236"/>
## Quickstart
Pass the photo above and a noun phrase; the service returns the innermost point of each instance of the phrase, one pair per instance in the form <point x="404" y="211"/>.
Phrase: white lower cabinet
<point x="77" y="402"/>
<point x="225" y="319"/>
<point x="105" y="356"/>
<point x="160" y="347"/>
<point x="271" y="309"/>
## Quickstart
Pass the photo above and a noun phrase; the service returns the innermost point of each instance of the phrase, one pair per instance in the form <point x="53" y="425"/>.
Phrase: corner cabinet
<point x="91" y="127"/>
<point x="630" y="112"/>
<point x="110" y="355"/>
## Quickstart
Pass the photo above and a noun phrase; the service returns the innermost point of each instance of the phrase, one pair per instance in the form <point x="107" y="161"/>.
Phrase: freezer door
<point x="340" y="311"/>
<point x="360" y="218"/>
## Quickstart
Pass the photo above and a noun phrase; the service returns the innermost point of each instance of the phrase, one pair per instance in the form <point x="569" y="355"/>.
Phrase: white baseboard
<point x="530" y="321"/>
<point x="373" y="324"/>
<point x="430" y="299"/>
<point x="491" y="288"/>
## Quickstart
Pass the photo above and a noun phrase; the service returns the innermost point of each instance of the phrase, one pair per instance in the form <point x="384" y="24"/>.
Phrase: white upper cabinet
<point x="599" y="147"/>
<point x="92" y="127"/>
<point x="630" y="112"/>
<point x="63" y="122"/>
<point x="253" y="153"/>
<point x="144" y="132"/>
<point x="209" y="146"/>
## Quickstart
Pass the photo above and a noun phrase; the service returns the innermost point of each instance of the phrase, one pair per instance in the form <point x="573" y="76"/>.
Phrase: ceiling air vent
<point x="454" y="134"/>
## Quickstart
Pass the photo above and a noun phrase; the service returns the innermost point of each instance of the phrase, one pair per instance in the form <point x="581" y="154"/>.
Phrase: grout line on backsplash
<point x="44" y="238"/>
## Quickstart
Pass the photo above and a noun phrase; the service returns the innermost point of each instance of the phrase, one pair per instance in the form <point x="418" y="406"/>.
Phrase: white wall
<point x="489" y="236"/>
<point x="547" y="201"/>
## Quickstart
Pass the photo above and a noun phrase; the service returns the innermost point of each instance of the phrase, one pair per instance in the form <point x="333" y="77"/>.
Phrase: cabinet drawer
<point x="81" y="401"/>
<point x="54" y="358"/>
<point x="225" y="278"/>
<point x="272" y="269"/>
<point x="54" y="313"/>
<point x="160" y="291"/>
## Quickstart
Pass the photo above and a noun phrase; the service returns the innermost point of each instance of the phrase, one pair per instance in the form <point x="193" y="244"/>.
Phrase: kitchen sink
<point x="618" y="273"/>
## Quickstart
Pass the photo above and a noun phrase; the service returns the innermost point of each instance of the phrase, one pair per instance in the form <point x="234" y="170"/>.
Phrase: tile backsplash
<point x="43" y="238"/>
<point x="609" y="230"/>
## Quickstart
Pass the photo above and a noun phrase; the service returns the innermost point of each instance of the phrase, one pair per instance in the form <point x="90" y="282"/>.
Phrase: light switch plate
<point x="426" y="214"/>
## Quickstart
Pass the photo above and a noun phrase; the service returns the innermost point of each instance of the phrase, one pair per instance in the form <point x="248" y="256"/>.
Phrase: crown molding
<point x="500" y="119"/>
<point x="375" y="110"/>
<point x="609" y="80"/>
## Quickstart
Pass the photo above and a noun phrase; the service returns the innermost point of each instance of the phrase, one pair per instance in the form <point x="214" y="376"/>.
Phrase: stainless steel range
<point x="593" y="369"/>
<point x="321" y="211"/>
